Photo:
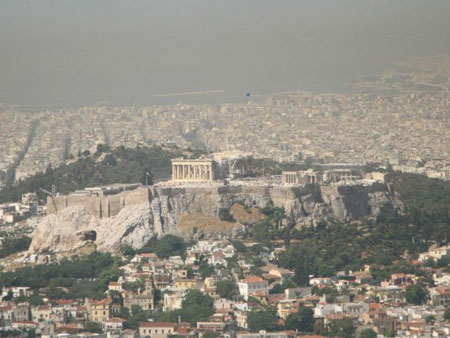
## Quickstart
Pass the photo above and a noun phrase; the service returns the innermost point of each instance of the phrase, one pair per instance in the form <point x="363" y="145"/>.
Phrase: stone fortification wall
<point x="98" y="205"/>
<point x="132" y="217"/>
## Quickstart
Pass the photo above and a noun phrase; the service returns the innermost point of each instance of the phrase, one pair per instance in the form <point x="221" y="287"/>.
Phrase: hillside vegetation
<point x="387" y="243"/>
<point x="105" y="166"/>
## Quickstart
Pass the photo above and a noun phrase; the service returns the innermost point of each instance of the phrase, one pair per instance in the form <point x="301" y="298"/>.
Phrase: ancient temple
<point x="197" y="170"/>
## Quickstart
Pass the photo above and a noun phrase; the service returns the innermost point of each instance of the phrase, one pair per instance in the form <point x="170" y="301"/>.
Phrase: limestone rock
<point x="71" y="228"/>
<point x="132" y="226"/>
<point x="180" y="209"/>
<point x="58" y="233"/>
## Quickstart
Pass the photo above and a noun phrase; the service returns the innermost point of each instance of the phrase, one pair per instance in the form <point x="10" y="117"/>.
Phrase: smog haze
<point x="75" y="53"/>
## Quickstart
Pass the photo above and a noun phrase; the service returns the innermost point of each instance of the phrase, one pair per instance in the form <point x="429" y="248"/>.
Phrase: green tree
<point x="341" y="328"/>
<point x="13" y="245"/>
<point x="280" y="288"/>
<point x="430" y="319"/>
<point x="134" y="320"/>
<point x="124" y="313"/>
<point x="302" y="320"/>
<point x="211" y="334"/>
<point x="263" y="319"/>
<point x="67" y="272"/>
<point x="131" y="286"/>
<point x="35" y="300"/>
<point x="170" y="245"/>
<point x="107" y="275"/>
<point x="116" y="297"/>
<point x="367" y="333"/>
<point x="102" y="148"/>
<point x="136" y="309"/>
<point x="93" y="327"/>
<point x="416" y="294"/>
<point x="56" y="293"/>
<point x="205" y="269"/>
<point x="196" y="307"/>
<point x="158" y="295"/>
<point x="225" y="215"/>
<point x="110" y="160"/>
<point x="390" y="333"/>
<point x="447" y="314"/>
<point x="442" y="262"/>
<point x="128" y="250"/>
<point x="261" y="231"/>
<point x="227" y="288"/>
<point x="239" y="246"/>
<point x="9" y="296"/>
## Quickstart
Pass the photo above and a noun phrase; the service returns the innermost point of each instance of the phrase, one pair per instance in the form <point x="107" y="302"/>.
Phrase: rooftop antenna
<point x="264" y="169"/>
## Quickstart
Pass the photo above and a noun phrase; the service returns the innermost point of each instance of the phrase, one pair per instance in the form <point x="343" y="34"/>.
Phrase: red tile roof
<point x="6" y="307"/>
<point x="157" y="324"/>
<point x="105" y="301"/>
<point x="65" y="301"/>
<point x="252" y="279"/>
<point x="25" y="322"/>
<point x="182" y="330"/>
<point x="116" y="320"/>
<point x="44" y="308"/>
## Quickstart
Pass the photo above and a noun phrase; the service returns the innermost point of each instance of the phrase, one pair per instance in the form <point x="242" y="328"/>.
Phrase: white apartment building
<point x="251" y="285"/>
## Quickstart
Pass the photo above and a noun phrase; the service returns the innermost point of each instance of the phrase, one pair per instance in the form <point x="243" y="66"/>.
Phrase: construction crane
<point x="52" y="195"/>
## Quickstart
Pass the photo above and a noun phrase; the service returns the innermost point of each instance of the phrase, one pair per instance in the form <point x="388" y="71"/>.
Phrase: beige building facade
<point x="156" y="329"/>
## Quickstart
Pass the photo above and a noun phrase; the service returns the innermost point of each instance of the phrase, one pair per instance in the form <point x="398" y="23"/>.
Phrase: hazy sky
<point x="79" y="52"/>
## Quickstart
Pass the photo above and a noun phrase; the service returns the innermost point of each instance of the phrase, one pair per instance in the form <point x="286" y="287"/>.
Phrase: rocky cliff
<point x="187" y="209"/>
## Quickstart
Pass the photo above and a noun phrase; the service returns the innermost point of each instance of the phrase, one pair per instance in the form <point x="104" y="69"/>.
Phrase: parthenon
<point x="198" y="170"/>
<point x="301" y="177"/>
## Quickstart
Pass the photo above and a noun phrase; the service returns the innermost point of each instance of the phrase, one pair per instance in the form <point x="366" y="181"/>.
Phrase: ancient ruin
<point x="102" y="202"/>
<point x="198" y="170"/>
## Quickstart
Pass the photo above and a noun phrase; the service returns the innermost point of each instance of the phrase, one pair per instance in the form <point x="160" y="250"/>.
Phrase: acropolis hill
<point x="118" y="215"/>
